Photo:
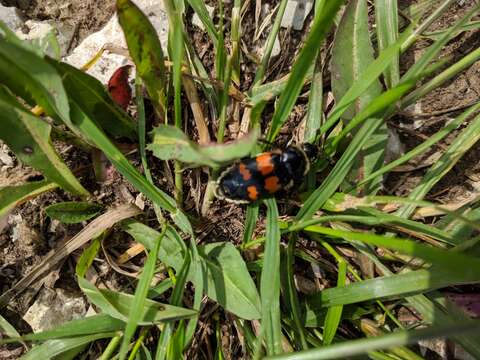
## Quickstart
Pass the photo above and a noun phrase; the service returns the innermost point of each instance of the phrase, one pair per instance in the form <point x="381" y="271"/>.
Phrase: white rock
<point x="296" y="12"/>
<point x="276" y="48"/>
<point x="196" y="19"/>
<point x="36" y="30"/>
<point x="39" y="31"/>
<point x="53" y="308"/>
<point x="112" y="36"/>
<point x="5" y="158"/>
<point x="10" y="17"/>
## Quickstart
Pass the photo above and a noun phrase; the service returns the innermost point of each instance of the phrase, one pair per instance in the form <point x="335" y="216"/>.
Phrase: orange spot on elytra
<point x="246" y="174"/>
<point x="252" y="192"/>
<point x="264" y="163"/>
<point x="271" y="184"/>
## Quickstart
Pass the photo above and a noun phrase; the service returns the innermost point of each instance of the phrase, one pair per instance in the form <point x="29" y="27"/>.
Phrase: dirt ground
<point x="30" y="234"/>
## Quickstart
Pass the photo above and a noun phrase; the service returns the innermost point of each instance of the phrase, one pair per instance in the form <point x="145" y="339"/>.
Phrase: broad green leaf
<point x="228" y="280"/>
<point x="42" y="86"/>
<point x="171" y="143"/>
<point x="321" y="25"/>
<point x="270" y="282"/>
<point x="73" y="212"/>
<point x="146" y="52"/>
<point x="94" y="100"/>
<point x="352" y="53"/>
<point x="118" y="305"/>
<point x="12" y="196"/>
<point x="53" y="348"/>
<point x="29" y="138"/>
<point x="172" y="248"/>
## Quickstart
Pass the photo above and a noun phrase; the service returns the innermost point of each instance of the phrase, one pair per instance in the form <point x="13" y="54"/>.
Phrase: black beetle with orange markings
<point x="262" y="176"/>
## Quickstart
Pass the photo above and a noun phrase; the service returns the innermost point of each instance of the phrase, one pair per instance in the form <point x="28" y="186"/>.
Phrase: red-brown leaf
<point x="119" y="87"/>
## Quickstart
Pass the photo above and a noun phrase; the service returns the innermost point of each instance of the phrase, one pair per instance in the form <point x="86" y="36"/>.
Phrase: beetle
<point x="254" y="178"/>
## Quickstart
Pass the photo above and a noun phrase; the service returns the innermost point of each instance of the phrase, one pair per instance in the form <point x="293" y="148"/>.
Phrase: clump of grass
<point x="372" y="251"/>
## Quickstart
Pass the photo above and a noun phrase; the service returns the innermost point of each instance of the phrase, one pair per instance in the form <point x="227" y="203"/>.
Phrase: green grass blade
<point x="141" y="293"/>
<point x="463" y="266"/>
<point x="146" y="51"/>
<point x="28" y="137"/>
<point x="342" y="167"/>
<point x="260" y="73"/>
<point x="462" y="143"/>
<point x="385" y="287"/>
<point x="445" y="75"/>
<point x="176" y="299"/>
<point x="270" y="282"/>
<point x="321" y="25"/>
<point x="334" y="313"/>
<point x="176" y="52"/>
<point x="101" y="141"/>
<point x="202" y="12"/>
<point x="433" y="139"/>
<point x="421" y="10"/>
<point x="371" y="74"/>
<point x="88" y="255"/>
<point x="315" y="115"/>
<point x="291" y="296"/>
<point x="53" y="348"/>
<point x="251" y="218"/>
<point x="386" y="21"/>
<point x="435" y="48"/>
<point x="99" y="323"/>
<point x="399" y="338"/>
<point x="12" y="196"/>
<point x="8" y="329"/>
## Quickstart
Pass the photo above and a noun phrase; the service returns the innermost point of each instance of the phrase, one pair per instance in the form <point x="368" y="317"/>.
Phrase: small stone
<point x="196" y="19"/>
<point x="53" y="308"/>
<point x="140" y="201"/>
<point x="5" y="158"/>
<point x="276" y="48"/>
<point x="296" y="12"/>
<point x="9" y="15"/>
